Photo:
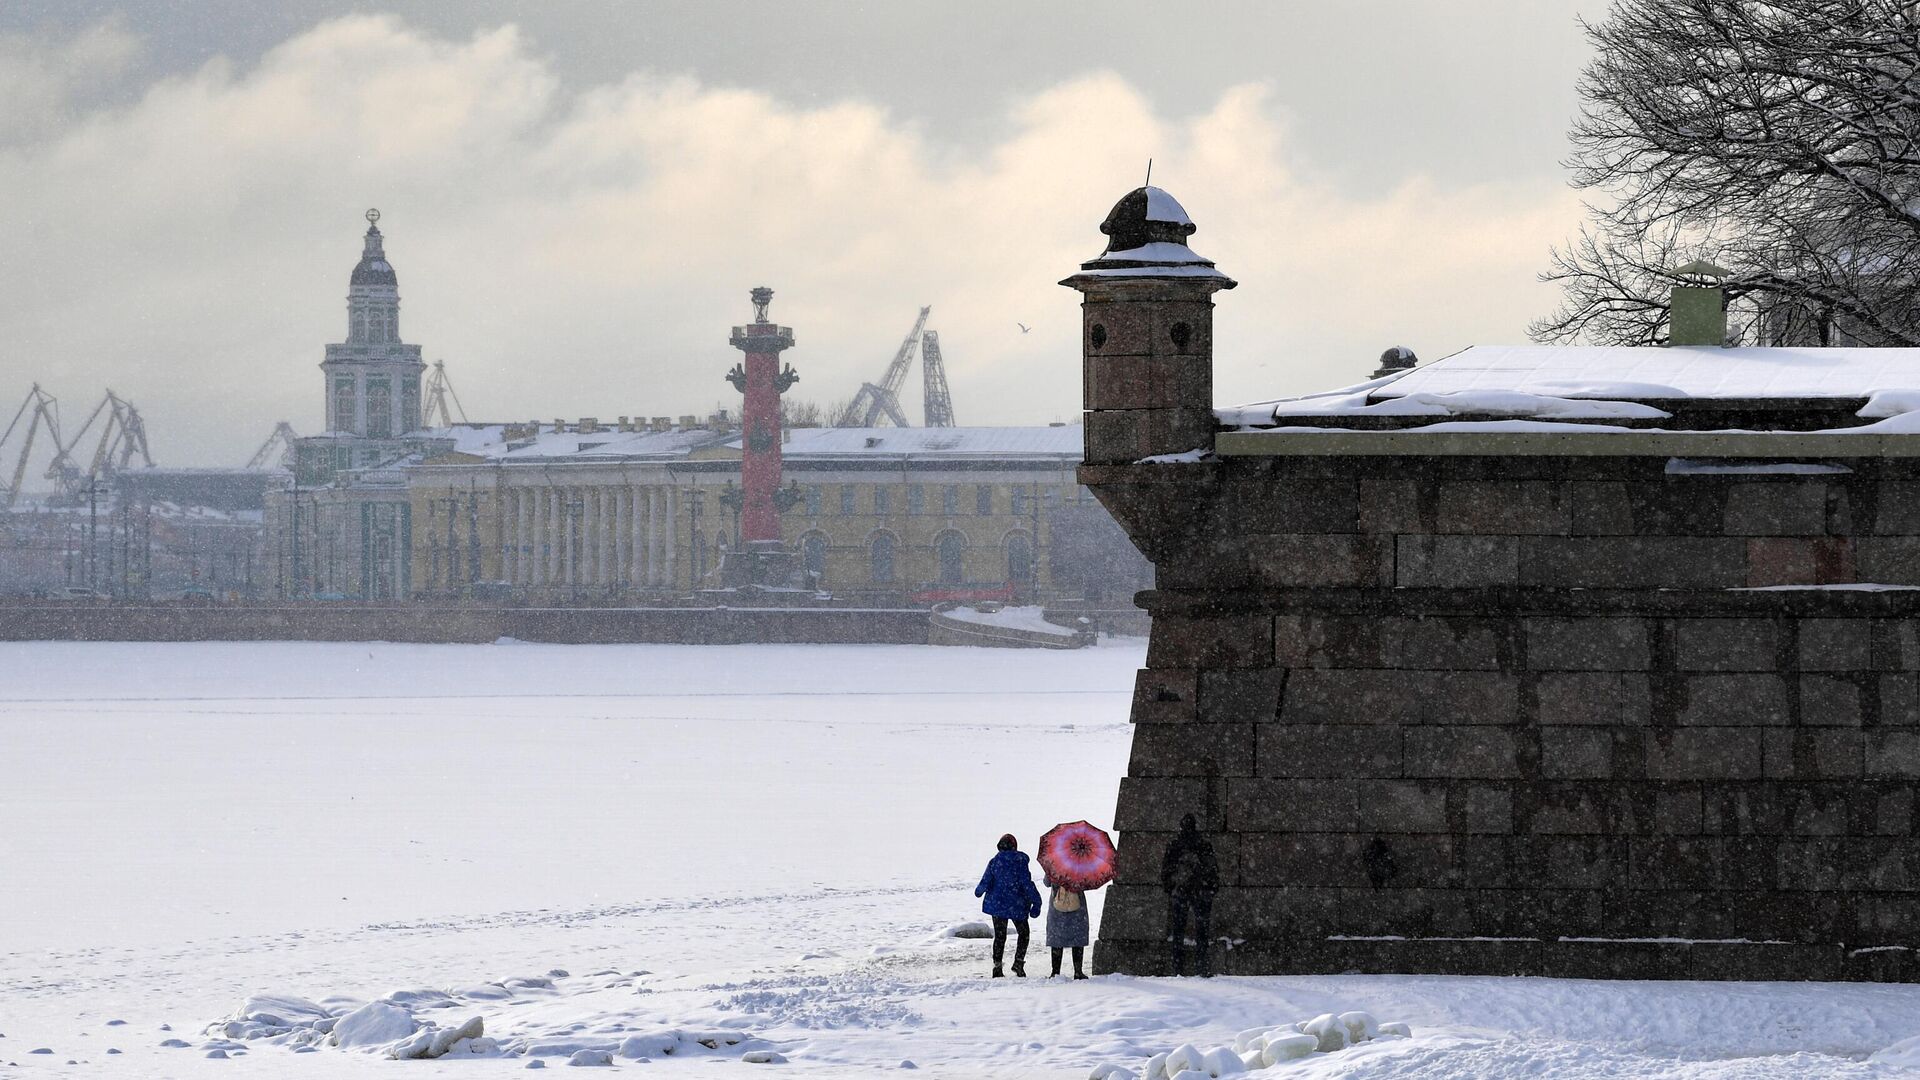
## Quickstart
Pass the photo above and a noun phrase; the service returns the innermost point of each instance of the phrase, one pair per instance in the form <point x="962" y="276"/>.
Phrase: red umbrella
<point x="1077" y="855"/>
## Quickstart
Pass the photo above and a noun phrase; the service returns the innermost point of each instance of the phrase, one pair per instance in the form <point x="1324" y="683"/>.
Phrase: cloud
<point x="44" y="78"/>
<point x="582" y="251"/>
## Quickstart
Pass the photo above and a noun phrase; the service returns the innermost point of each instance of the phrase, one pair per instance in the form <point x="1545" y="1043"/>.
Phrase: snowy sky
<point x="578" y="195"/>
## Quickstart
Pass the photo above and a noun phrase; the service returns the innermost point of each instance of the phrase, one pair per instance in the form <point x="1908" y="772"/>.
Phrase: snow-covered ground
<point x="637" y="848"/>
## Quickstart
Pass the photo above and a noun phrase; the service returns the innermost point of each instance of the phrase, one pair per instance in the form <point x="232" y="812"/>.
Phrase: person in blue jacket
<point x="1009" y="894"/>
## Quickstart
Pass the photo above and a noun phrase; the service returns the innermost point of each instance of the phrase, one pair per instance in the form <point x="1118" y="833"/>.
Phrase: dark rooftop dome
<point x="373" y="268"/>
<point x="1143" y="216"/>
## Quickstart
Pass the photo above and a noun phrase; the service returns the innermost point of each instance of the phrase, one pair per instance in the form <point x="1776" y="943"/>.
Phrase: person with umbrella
<point x="1075" y="857"/>
<point x="1007" y="887"/>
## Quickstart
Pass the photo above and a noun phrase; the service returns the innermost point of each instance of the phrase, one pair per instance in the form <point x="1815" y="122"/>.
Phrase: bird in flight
<point x="1024" y="328"/>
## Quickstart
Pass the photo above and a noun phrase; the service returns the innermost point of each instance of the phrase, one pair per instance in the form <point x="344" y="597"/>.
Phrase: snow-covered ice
<point x="660" y="857"/>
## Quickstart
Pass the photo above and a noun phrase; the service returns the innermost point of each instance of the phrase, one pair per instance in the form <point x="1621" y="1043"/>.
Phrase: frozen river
<point x="630" y="849"/>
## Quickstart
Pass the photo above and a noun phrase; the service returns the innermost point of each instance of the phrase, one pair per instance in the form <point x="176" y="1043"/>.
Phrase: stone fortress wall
<point x="1486" y="712"/>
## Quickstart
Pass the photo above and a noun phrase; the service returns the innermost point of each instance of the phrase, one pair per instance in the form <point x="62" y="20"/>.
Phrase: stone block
<point x="1704" y="754"/>
<point x="1632" y="562"/>
<point x="1214" y="641"/>
<point x="1455" y="562"/>
<point x="1826" y="701"/>
<point x="1240" y="695"/>
<point x="1290" y="506"/>
<point x="1467" y="752"/>
<point x="1395" y="505"/>
<point x="1576" y="753"/>
<point x="1119" y="382"/>
<point x="1603" y="698"/>
<point x="1684" y="506"/>
<point x="1327" y="560"/>
<point x="1399" y="697"/>
<point x="1479" y="808"/>
<point x="1575" y="862"/>
<point x="1896" y="644"/>
<point x="1726" y="644"/>
<point x="1795" y="507"/>
<point x="1396" y="806"/>
<point x="1504" y="507"/>
<point x="1600" y="509"/>
<point x="1264" y="805"/>
<point x="1777" y="560"/>
<point x="1587" y="644"/>
<point x="1192" y="750"/>
<point x="1674" y="810"/>
<point x="1889" y="560"/>
<point x="1897" y="508"/>
<point x="1892" y="754"/>
<point x="1899" y="704"/>
<point x="1309" y="750"/>
<point x="1816" y="811"/>
<point x="1799" y="753"/>
<point x="1158" y="803"/>
<point x="1116" y="329"/>
<point x="1835" y="645"/>
<point x="1733" y="700"/>
<point x="1578" y="809"/>
<point x="1892" y="811"/>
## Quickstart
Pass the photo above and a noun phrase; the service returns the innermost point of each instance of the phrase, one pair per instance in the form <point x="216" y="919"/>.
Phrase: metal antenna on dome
<point x="1149" y="182"/>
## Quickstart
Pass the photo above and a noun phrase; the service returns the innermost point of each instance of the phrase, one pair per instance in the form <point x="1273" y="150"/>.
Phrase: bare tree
<point x="799" y="413"/>
<point x="1779" y="139"/>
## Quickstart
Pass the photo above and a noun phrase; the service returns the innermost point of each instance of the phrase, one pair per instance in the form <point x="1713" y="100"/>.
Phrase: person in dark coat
<point x="1007" y="887"/>
<point x="1067" y="926"/>
<point x="1189" y="875"/>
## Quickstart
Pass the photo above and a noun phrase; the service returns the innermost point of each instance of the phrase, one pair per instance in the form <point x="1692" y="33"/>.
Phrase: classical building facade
<point x="1535" y="660"/>
<point x="592" y="514"/>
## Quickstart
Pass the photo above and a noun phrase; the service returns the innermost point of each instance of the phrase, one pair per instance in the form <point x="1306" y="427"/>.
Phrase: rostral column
<point x="761" y="380"/>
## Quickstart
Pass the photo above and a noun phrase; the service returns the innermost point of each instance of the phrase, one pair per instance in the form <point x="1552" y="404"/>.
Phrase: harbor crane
<point x="876" y="400"/>
<point x="282" y="441"/>
<point x="122" y="435"/>
<point x="439" y="390"/>
<point x="45" y="413"/>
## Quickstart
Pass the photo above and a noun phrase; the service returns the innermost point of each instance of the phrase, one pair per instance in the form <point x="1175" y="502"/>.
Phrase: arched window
<point x="953" y="558"/>
<point x="813" y="554"/>
<point x="880" y="559"/>
<point x="1019" y="559"/>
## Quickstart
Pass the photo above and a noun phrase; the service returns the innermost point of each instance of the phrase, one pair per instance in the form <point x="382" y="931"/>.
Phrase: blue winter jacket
<point x="1008" y="887"/>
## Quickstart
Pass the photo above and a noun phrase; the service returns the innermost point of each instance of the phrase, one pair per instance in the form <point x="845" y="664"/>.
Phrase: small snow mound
<point x="376" y="1023"/>
<point x="590" y="1057"/>
<point x="1111" y="1071"/>
<point x="762" y="1057"/>
<point x="1328" y="1032"/>
<point x="216" y="1054"/>
<point x="175" y="1044"/>
<point x="115" y="1023"/>
<point x="1287" y="1047"/>
<point x="1396" y="1031"/>
<point x="968" y="930"/>
<point x="558" y="973"/>
<point x="48" y="1050"/>
<point x="907" y="1063"/>
<point x="1904" y="1054"/>
<point x="536" y="1063"/>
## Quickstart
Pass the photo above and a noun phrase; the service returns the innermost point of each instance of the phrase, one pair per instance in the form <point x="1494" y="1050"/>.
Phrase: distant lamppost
<point x="696" y="498"/>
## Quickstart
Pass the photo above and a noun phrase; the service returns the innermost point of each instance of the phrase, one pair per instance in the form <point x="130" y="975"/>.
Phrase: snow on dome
<point x="1164" y="207"/>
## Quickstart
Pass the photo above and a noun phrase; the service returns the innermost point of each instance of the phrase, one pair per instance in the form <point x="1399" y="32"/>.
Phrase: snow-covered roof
<point x="490" y="441"/>
<point x="1063" y="442"/>
<point x="1164" y="207"/>
<point x="1661" y="374"/>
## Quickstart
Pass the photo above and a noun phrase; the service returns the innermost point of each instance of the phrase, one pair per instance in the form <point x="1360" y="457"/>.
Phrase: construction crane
<point x="122" y="435"/>
<point x="937" y="403"/>
<point x="281" y="440"/>
<point x="873" y="400"/>
<point x="46" y="413"/>
<point x="439" y="389"/>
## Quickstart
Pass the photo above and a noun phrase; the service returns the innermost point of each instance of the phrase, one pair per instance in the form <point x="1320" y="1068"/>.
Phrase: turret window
<point x="343" y="403"/>
<point x="379" y="407"/>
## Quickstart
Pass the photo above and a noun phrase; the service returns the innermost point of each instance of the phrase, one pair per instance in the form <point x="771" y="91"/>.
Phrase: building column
<point x="643" y="536"/>
<point x="569" y="523"/>
<point x="550" y="532"/>
<point x="670" y="527"/>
